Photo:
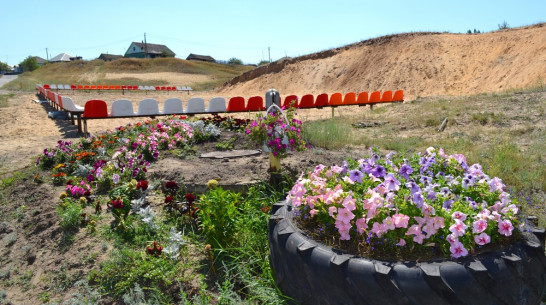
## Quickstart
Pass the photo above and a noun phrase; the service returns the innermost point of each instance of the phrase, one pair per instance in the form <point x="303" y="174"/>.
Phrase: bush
<point x="235" y="61"/>
<point x="29" y="64"/>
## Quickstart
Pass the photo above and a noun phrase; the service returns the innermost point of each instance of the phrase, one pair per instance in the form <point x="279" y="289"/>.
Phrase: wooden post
<point x="274" y="163"/>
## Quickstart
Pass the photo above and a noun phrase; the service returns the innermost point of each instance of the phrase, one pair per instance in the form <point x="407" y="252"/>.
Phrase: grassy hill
<point x="131" y="71"/>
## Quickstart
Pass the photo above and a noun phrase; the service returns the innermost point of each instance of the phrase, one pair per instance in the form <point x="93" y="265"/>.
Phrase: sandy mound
<point x="423" y="64"/>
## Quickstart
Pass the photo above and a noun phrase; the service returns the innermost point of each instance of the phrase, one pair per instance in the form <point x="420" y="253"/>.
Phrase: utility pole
<point x="47" y="54"/>
<point x="269" y="52"/>
<point x="145" y="46"/>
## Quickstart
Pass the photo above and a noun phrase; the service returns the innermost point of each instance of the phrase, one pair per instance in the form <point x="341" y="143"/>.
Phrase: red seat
<point x="73" y="87"/>
<point x="163" y="88"/>
<point x="307" y="101"/>
<point x="123" y="87"/>
<point x="99" y="87"/>
<point x="322" y="100"/>
<point x="335" y="99"/>
<point x="255" y="103"/>
<point x="46" y="86"/>
<point x="362" y="98"/>
<point x="375" y="97"/>
<point x="387" y="97"/>
<point x="95" y="109"/>
<point x="398" y="96"/>
<point x="135" y="87"/>
<point x="236" y="103"/>
<point x="290" y="101"/>
<point x="157" y="88"/>
<point x="93" y="87"/>
<point x="349" y="99"/>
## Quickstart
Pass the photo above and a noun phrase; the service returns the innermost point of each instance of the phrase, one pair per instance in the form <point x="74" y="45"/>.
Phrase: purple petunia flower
<point x="379" y="171"/>
<point x="356" y="175"/>
<point x="418" y="199"/>
<point x="405" y="171"/>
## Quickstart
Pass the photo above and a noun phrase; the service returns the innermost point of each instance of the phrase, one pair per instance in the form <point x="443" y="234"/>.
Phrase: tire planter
<point x="312" y="273"/>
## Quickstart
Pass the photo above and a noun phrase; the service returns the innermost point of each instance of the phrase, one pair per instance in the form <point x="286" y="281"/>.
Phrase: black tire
<point x="312" y="273"/>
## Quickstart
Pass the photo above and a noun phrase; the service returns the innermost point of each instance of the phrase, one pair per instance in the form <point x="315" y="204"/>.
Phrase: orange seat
<point x="99" y="87"/>
<point x="387" y="97"/>
<point x="398" y="96"/>
<point x="87" y="87"/>
<point x="95" y="109"/>
<point x="307" y="101"/>
<point x="362" y="98"/>
<point x="322" y="100"/>
<point x="335" y="99"/>
<point x="118" y="87"/>
<point x="349" y="99"/>
<point x="236" y="103"/>
<point x="80" y="87"/>
<point x="290" y="101"/>
<point x="255" y="103"/>
<point x="375" y="97"/>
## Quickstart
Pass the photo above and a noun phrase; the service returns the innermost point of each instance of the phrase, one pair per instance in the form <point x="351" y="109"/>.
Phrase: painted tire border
<point x="312" y="273"/>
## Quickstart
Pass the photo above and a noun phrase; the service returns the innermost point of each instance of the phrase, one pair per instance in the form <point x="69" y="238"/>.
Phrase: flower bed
<point x="427" y="229"/>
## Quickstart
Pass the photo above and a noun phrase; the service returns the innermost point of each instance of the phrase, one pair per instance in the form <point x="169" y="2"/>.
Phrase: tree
<point x="29" y="64"/>
<point x="235" y="61"/>
<point x="4" y="67"/>
<point x="263" y="62"/>
<point x="504" y="26"/>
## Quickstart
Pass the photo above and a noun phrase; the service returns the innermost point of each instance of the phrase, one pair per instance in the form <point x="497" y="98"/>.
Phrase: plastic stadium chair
<point x="290" y="101"/>
<point x="95" y="109"/>
<point x="307" y="101"/>
<point x="46" y="86"/>
<point x="375" y="97"/>
<point x="73" y="87"/>
<point x="349" y="99"/>
<point x="86" y="87"/>
<point x="122" y="108"/>
<point x="362" y="98"/>
<point x="321" y="100"/>
<point x="216" y="105"/>
<point x="387" y="97"/>
<point x="398" y="96"/>
<point x="335" y="99"/>
<point x="236" y="104"/>
<point x="195" y="105"/>
<point x="148" y="107"/>
<point x="53" y="87"/>
<point x="173" y="106"/>
<point x="69" y="104"/>
<point x="93" y="87"/>
<point x="255" y="103"/>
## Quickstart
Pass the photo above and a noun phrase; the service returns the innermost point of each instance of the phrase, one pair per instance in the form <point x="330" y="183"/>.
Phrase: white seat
<point x="195" y="105"/>
<point x="152" y="88"/>
<point x="179" y="88"/>
<point x="53" y="86"/>
<point x="69" y="104"/>
<point x="147" y="88"/>
<point x="140" y="87"/>
<point x="122" y="108"/>
<point x="217" y="104"/>
<point x="66" y="87"/>
<point x="173" y="106"/>
<point x="148" y="106"/>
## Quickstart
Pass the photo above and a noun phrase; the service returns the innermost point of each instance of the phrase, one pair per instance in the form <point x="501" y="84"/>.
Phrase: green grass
<point x="4" y="98"/>
<point x="93" y="73"/>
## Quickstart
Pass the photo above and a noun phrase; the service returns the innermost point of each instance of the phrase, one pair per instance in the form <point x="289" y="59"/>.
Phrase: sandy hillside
<point x="423" y="64"/>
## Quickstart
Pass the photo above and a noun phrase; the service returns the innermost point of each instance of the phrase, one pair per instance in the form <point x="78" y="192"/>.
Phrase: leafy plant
<point x="235" y="61"/>
<point x="70" y="214"/>
<point x="226" y="145"/>
<point x="218" y="211"/>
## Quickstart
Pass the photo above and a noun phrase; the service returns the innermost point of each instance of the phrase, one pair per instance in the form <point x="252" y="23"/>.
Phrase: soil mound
<point x="422" y="64"/>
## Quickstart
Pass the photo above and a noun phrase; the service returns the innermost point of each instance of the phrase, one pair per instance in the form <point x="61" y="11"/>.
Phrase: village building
<point x="200" y="58"/>
<point x="148" y="50"/>
<point x="109" y="57"/>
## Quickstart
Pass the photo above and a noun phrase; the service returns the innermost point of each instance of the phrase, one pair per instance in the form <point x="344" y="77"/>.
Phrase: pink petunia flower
<point x="401" y="243"/>
<point x="400" y="220"/>
<point x="389" y="223"/>
<point x="457" y="250"/>
<point x="361" y="225"/>
<point x="482" y="239"/>
<point x="505" y="227"/>
<point x="479" y="226"/>
<point x="345" y="215"/>
<point x="459" y="215"/>
<point x="332" y="211"/>
<point x="458" y="228"/>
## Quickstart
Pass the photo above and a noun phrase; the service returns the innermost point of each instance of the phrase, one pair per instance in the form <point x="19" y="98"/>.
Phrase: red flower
<point x="193" y="213"/>
<point x="87" y="193"/>
<point x="190" y="198"/>
<point x="117" y="204"/>
<point x="171" y="184"/>
<point x="142" y="184"/>
<point x="155" y="249"/>
<point x="169" y="199"/>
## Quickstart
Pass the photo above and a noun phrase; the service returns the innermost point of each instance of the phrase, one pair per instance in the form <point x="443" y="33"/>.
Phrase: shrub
<point x="235" y="61"/>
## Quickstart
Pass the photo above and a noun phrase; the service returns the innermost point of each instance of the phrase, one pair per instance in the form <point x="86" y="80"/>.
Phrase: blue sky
<point x="242" y="29"/>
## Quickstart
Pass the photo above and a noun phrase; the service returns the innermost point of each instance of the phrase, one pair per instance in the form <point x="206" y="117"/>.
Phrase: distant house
<point x="40" y="61"/>
<point x="200" y="57"/>
<point x="61" y="57"/>
<point x="148" y="50"/>
<point x="109" y="57"/>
